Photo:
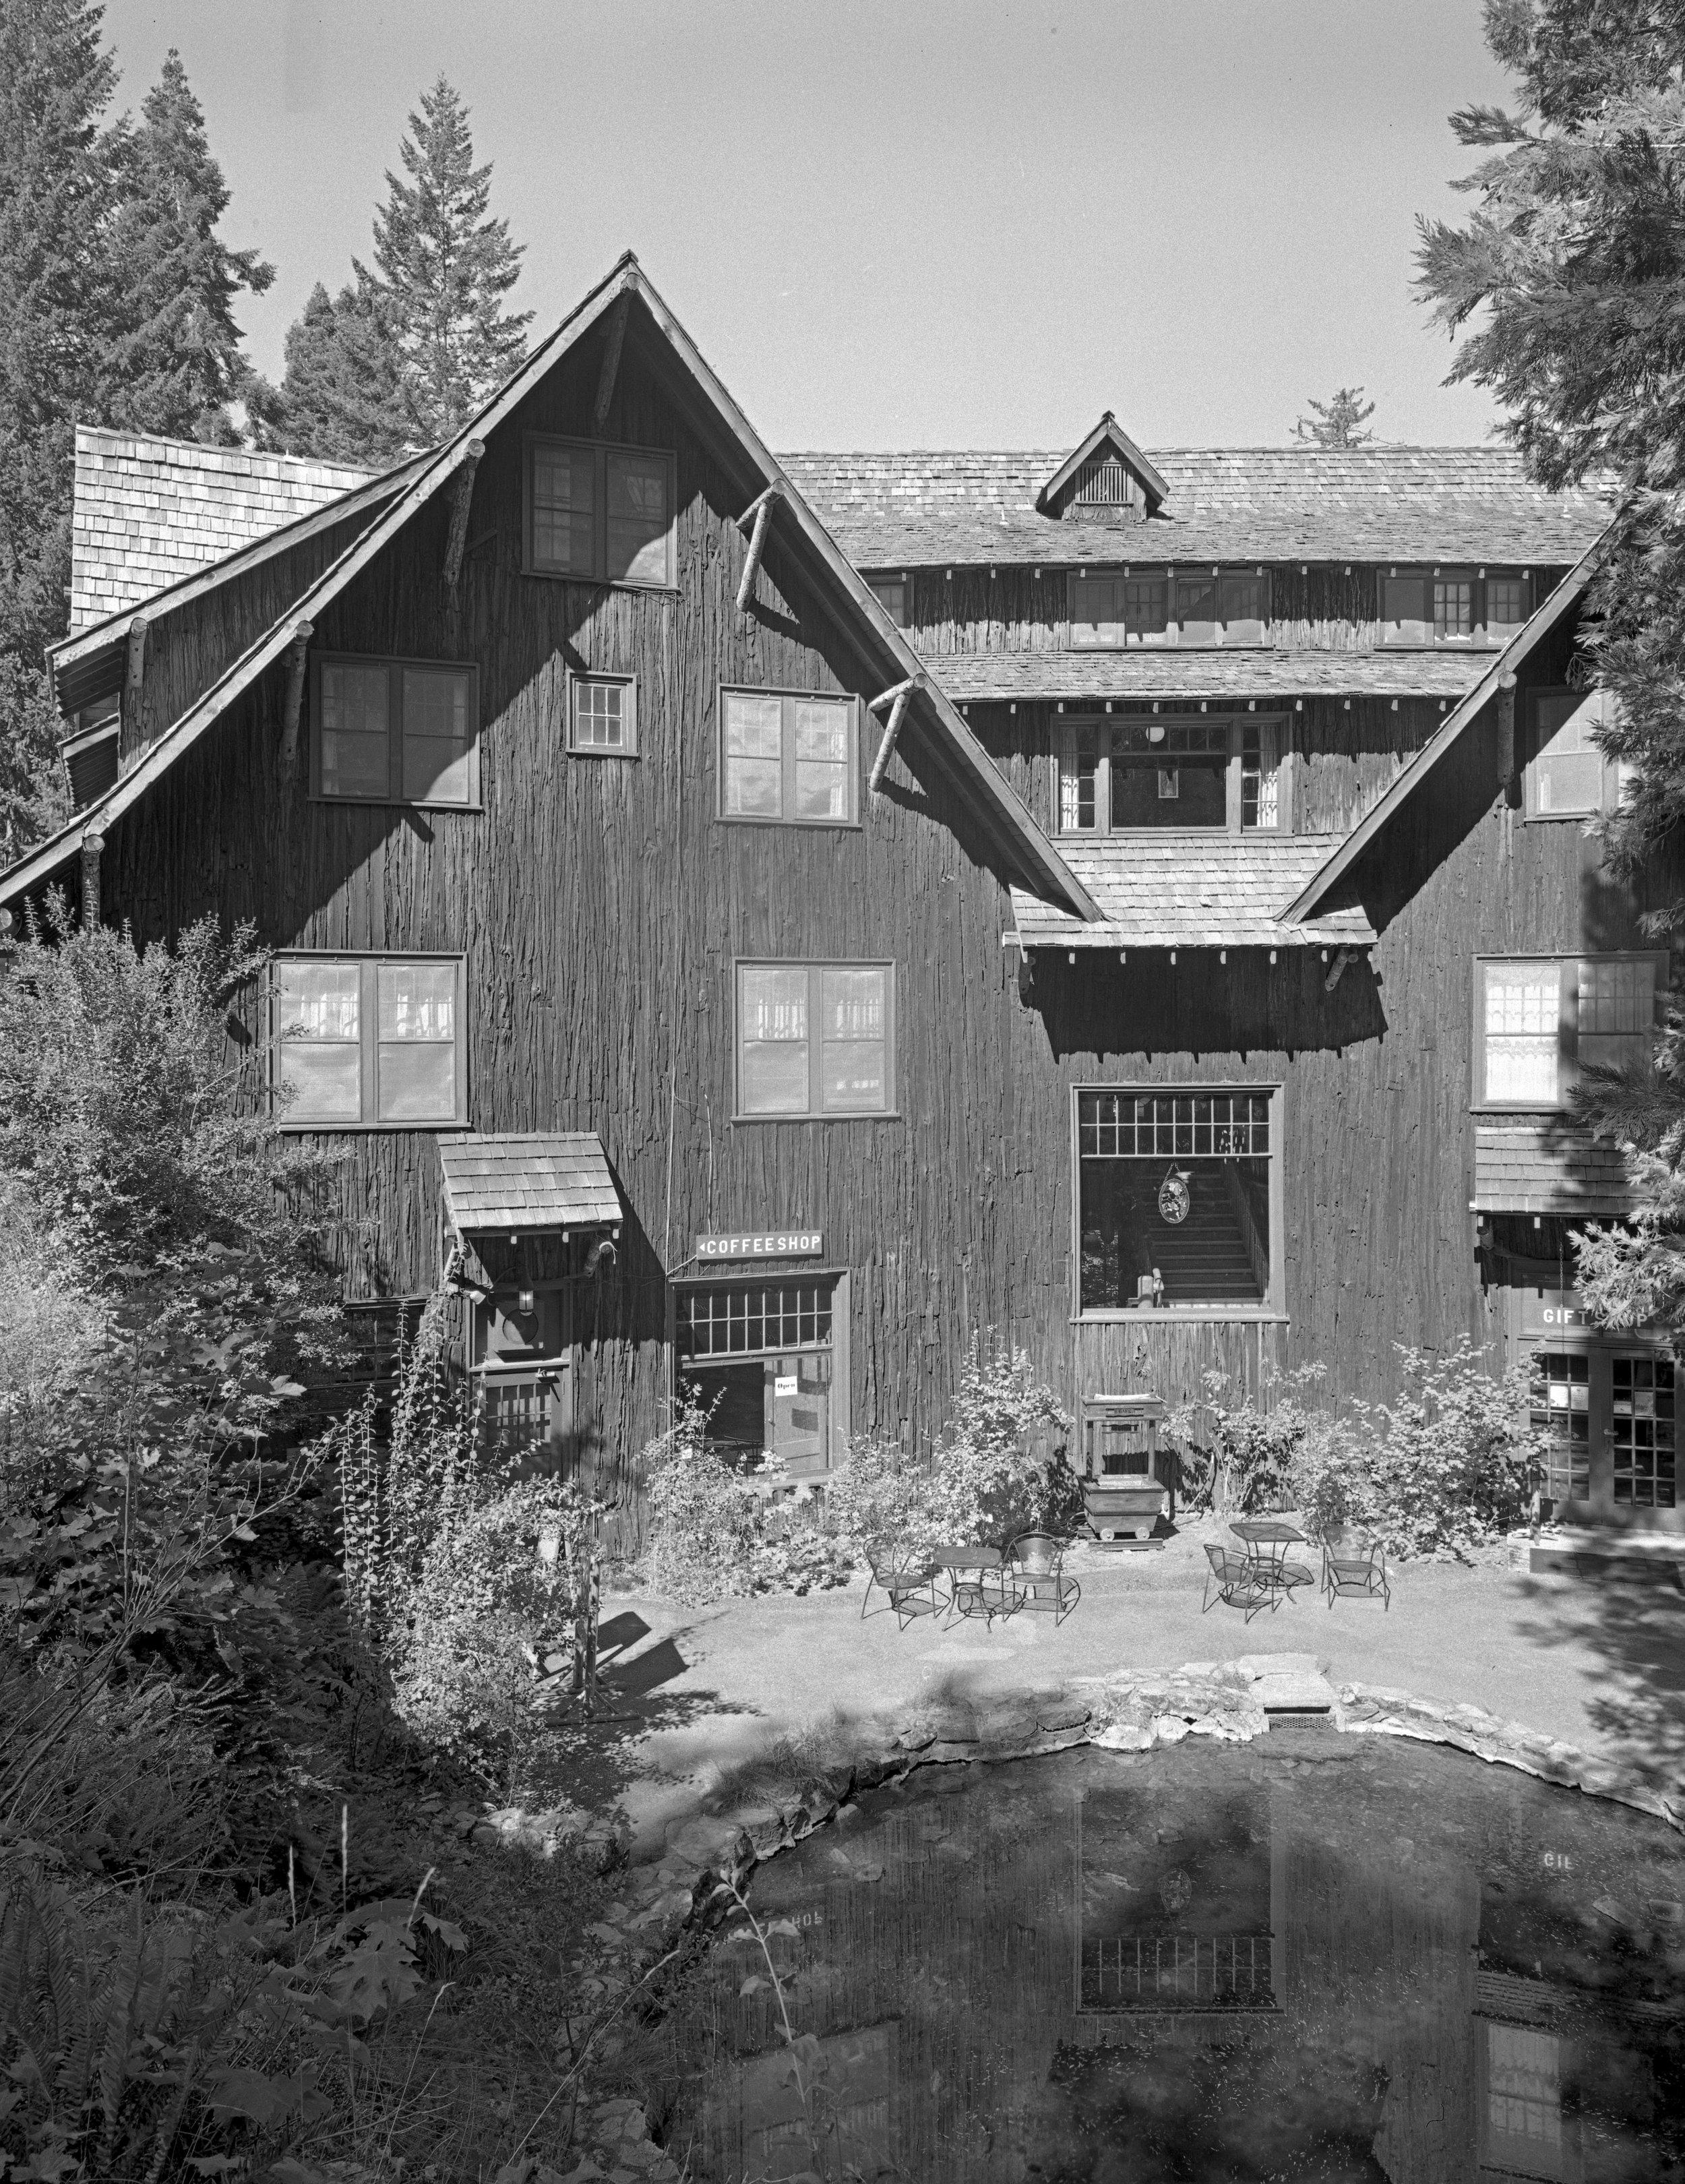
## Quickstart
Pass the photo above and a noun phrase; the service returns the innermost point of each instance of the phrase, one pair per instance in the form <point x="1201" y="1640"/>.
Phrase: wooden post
<point x="133" y="682"/>
<point x="294" y="702"/>
<point x="1337" y="969"/>
<point x="611" y="364"/>
<point x="463" y="495"/>
<point x="761" y="510"/>
<point x="1507" y="768"/>
<point x="92" y="846"/>
<point x="896" y="700"/>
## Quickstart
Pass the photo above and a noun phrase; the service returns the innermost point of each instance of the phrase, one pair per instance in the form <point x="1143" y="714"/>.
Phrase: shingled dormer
<point x="1105" y="480"/>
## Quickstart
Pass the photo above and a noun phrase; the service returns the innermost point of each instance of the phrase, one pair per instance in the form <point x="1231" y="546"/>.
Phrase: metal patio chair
<point x="1358" y="1570"/>
<point x="1035" y="1576"/>
<point x="1239" y="1581"/>
<point x="910" y="1585"/>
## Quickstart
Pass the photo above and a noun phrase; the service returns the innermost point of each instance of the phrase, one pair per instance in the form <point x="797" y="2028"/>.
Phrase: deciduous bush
<point x="1241" y="1457"/>
<point x="999" y="1465"/>
<point x="1453" y="1464"/>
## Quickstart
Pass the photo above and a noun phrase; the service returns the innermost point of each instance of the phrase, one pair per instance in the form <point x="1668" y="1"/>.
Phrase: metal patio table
<point x="1267" y="1541"/>
<point x="970" y="1570"/>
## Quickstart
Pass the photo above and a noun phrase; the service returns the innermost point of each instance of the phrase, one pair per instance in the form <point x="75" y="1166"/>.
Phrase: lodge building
<point x="757" y="921"/>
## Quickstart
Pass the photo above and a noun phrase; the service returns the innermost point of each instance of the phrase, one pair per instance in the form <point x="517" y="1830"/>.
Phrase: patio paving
<point x="1599" y="1665"/>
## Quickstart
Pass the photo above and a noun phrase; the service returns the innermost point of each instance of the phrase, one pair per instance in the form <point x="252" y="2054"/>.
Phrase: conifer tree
<point x="1568" y="285"/>
<point x="1337" y="423"/>
<point x="173" y="362"/>
<point x="343" y="399"/>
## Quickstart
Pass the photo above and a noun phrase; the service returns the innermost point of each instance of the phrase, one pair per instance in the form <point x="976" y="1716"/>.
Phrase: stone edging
<point x="1225" y="1700"/>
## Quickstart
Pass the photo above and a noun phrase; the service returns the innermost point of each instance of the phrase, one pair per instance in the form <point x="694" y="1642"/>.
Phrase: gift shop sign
<point x="773" y="1244"/>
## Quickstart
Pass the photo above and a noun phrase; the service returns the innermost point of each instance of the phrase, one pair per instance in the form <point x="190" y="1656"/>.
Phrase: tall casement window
<point x="1172" y="770"/>
<point x="790" y="755"/>
<point x="603" y="715"/>
<point x="604" y="515"/>
<point x="1177" y="1199"/>
<point x="1538" y="1019"/>
<point x="1567" y="775"/>
<point x="894" y="594"/>
<point x="394" y="732"/>
<point x="369" y="1042"/>
<point x="1468" y="608"/>
<point x="815" y="1040"/>
<point x="1119" y="608"/>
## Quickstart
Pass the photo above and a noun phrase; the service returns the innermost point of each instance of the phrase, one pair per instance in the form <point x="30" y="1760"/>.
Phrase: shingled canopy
<point x="555" y="1181"/>
<point x="1181" y="891"/>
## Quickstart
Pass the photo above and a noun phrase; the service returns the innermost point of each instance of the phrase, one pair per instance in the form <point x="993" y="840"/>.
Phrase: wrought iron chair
<point x="1358" y="1568"/>
<point x="1035" y="1576"/>
<point x="1239" y="1581"/>
<point x="910" y="1586"/>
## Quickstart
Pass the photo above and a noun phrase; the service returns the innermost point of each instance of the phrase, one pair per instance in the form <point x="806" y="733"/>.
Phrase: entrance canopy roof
<point x="508" y="1184"/>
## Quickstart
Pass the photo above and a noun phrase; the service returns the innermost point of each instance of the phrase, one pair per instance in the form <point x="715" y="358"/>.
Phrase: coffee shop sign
<point x="773" y="1244"/>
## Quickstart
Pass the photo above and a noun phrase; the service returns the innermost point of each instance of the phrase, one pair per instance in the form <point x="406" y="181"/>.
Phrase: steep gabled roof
<point x="1462" y="716"/>
<point x="973" y="770"/>
<point x="1107" y="433"/>
<point x="150" y="511"/>
<point x="1237" y="504"/>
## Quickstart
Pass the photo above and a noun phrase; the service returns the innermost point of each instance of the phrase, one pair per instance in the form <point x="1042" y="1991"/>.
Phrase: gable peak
<point x="1105" y="478"/>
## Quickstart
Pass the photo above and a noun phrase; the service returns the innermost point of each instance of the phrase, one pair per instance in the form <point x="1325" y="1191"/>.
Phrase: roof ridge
<point x="237" y="454"/>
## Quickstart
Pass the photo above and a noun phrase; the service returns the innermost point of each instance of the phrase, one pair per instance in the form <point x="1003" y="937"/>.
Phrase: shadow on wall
<point x="1101" y="1008"/>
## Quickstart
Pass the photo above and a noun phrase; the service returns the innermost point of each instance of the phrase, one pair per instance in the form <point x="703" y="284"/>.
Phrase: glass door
<point x="1641" y="1430"/>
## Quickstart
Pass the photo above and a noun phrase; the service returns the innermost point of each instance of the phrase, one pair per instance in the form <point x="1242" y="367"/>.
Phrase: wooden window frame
<point x="601" y="450"/>
<point x="369" y="962"/>
<point x="905" y="579"/>
<point x="1067" y="729"/>
<point x="579" y="677"/>
<point x="396" y="664"/>
<point x="1171" y="640"/>
<point x="787" y="698"/>
<point x="1479" y="638"/>
<point x="1608" y="788"/>
<point x="814" y="966"/>
<point x="1273" y="1307"/>
<point x="1568" y="1002"/>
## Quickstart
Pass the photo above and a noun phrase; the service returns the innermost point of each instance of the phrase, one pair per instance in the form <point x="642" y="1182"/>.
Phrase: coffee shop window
<point x="763" y="1357"/>
<point x="1177" y="1200"/>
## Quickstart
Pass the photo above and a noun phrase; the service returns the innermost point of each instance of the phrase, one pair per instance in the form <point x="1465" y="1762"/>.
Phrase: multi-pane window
<point x="1562" y="1416"/>
<point x="1174" y="1198"/>
<point x="816" y="1039"/>
<point x="789" y="755"/>
<point x="894" y="594"/>
<point x="394" y="732"/>
<point x="1568" y="775"/>
<point x="1470" y="607"/>
<point x="1538" y="1020"/>
<point x="603" y="715"/>
<point x="1121" y="608"/>
<point x="602" y="513"/>
<point x="734" y="1321"/>
<point x="1174" y="770"/>
<point x="363" y="1041"/>
<point x="1641" y="1438"/>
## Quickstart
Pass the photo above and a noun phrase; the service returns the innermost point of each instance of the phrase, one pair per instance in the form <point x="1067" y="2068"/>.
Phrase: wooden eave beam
<point x="461" y="500"/>
<point x="298" y="647"/>
<point x="898" y="698"/>
<point x="611" y="362"/>
<point x="761" y="510"/>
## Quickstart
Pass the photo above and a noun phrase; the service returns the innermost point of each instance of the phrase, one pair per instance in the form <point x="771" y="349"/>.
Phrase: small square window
<point x="603" y="715"/>
<point x="894" y="594"/>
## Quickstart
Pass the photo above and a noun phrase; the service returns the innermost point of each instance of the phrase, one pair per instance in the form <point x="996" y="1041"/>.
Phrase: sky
<point x="901" y="223"/>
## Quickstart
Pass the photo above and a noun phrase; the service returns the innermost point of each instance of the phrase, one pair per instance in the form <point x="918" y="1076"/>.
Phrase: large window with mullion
<point x="1458" y="608"/>
<point x="1177" y="1199"/>
<point x="1119" y="774"/>
<point x="1118" y="609"/>
<point x="790" y="757"/>
<point x="394" y="730"/>
<point x="815" y="1041"/>
<point x="369" y="1042"/>
<point x="603" y="513"/>
<point x="1539" y="1019"/>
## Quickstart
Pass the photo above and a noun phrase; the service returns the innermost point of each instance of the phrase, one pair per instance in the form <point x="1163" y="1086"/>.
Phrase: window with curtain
<point x="363" y="1042"/>
<point x="1538" y="1020"/>
<point x="816" y="1039"/>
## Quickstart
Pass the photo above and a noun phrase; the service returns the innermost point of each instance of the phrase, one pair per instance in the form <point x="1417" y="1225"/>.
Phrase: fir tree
<point x="1568" y="284"/>
<point x="341" y="399"/>
<point x="173" y="361"/>
<point x="1336" y="423"/>
<point x="445" y="267"/>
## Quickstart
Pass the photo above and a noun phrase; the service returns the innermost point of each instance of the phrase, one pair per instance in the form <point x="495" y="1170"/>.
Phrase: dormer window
<point x="1116" y="609"/>
<point x="1106" y="476"/>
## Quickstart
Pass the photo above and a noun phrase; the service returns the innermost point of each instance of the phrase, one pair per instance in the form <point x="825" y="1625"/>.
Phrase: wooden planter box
<point x="1118" y="1505"/>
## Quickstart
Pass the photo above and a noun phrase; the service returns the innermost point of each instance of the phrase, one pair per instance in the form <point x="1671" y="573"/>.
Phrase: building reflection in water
<point x="1322" y="1959"/>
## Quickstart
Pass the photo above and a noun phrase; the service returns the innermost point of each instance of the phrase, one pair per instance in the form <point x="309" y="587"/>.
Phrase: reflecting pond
<point x="1320" y="1957"/>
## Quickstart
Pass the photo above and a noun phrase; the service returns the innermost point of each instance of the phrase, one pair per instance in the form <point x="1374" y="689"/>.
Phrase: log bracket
<point x="1337" y="968"/>
<point x="896" y="700"/>
<point x="758" y="513"/>
<point x="134" y="681"/>
<point x="461" y="499"/>
<point x="611" y="364"/>
<point x="293" y="705"/>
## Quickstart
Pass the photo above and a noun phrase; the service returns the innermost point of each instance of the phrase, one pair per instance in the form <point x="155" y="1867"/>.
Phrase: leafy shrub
<point x="1454" y="1463"/>
<point x="876" y="1496"/>
<point x="702" y="1515"/>
<point x="999" y="1468"/>
<point x="1244" y="1457"/>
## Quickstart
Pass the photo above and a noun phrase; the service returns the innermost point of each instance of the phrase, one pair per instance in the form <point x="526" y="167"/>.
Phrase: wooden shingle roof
<point x="558" y="1179"/>
<point x="1089" y="678"/>
<point x="1183" y="888"/>
<point x="1529" y="1166"/>
<point x="1321" y="504"/>
<point x="149" y="511"/>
